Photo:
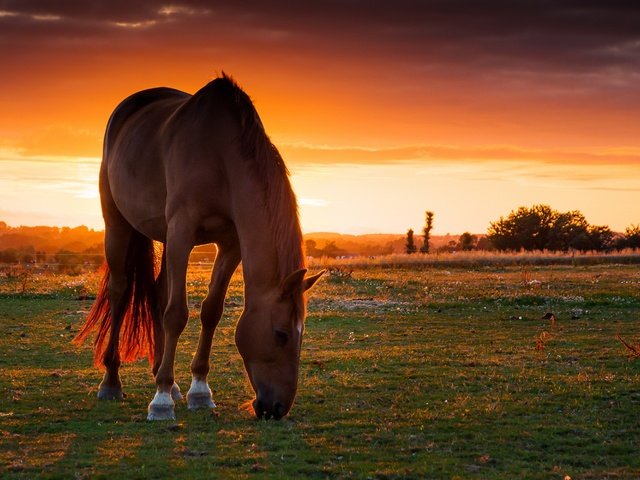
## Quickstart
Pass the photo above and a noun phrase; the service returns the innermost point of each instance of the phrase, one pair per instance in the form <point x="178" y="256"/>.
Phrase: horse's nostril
<point x="278" y="411"/>
<point x="266" y="408"/>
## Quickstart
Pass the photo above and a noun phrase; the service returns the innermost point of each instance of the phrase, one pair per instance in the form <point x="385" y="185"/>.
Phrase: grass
<point x="406" y="372"/>
<point x="485" y="258"/>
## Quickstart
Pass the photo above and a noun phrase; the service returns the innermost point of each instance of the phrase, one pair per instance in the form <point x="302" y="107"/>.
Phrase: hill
<point x="368" y="244"/>
<point x="45" y="240"/>
<point x="50" y="239"/>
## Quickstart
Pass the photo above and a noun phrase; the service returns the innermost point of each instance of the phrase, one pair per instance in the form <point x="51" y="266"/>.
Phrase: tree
<point x="410" y="246"/>
<point x="484" y="244"/>
<point x="568" y="228"/>
<point x="581" y="242"/>
<point x="525" y="228"/>
<point x="632" y="236"/>
<point x="467" y="241"/>
<point x="311" y="248"/>
<point x="426" y="232"/>
<point x="601" y="237"/>
<point x="332" y="250"/>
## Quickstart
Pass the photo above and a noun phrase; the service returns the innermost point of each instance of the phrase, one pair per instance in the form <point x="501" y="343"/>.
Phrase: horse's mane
<point x="269" y="169"/>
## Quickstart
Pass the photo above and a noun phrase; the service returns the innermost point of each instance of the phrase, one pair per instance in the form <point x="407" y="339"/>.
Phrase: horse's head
<point x="269" y="338"/>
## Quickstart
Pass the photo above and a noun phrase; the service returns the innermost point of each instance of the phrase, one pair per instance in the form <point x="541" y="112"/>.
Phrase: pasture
<point x="406" y="372"/>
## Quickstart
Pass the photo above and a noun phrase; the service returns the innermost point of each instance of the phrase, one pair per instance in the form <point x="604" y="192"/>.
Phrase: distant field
<point x="407" y="372"/>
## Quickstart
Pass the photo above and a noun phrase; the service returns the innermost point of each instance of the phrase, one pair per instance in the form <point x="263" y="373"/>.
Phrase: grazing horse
<point x="187" y="170"/>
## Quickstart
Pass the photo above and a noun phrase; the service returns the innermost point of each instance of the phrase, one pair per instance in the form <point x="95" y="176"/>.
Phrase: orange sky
<point x="467" y="108"/>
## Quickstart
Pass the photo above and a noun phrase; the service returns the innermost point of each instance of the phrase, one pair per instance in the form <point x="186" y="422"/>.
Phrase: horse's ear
<point x="311" y="281"/>
<point x="292" y="282"/>
<point x="297" y="278"/>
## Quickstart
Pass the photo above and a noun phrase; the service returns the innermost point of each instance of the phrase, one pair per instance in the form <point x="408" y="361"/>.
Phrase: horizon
<point x="304" y="233"/>
<point x="467" y="109"/>
<point x="417" y="232"/>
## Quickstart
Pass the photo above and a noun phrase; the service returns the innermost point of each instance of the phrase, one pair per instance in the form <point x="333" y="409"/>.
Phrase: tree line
<point x="543" y="228"/>
<point x="539" y="227"/>
<point x="58" y="249"/>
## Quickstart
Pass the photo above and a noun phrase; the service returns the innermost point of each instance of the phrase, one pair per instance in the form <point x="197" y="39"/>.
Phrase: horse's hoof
<point x="161" y="407"/>
<point x="110" y="393"/>
<point x="161" y="413"/>
<point x="176" y="394"/>
<point x="199" y="400"/>
<point x="199" y="395"/>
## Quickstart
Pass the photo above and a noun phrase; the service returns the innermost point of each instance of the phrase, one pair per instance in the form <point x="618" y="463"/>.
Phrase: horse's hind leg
<point x="227" y="259"/>
<point x="117" y="238"/>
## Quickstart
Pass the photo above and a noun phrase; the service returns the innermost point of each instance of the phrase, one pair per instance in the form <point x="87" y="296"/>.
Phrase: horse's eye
<point x="282" y="338"/>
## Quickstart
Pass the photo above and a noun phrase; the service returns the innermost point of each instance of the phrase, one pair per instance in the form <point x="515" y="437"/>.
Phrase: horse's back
<point x="136" y="103"/>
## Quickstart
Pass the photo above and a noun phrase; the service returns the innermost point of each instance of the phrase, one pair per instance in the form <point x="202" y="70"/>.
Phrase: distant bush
<point x="467" y="242"/>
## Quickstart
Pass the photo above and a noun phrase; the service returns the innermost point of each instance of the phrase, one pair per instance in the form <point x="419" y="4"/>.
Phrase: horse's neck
<point x="260" y="262"/>
<point x="259" y="254"/>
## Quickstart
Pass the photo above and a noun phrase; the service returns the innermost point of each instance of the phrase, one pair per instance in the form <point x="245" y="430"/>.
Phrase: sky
<point x="382" y="110"/>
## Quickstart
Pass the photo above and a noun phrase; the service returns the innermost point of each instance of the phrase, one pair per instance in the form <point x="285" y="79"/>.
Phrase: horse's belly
<point x="154" y="228"/>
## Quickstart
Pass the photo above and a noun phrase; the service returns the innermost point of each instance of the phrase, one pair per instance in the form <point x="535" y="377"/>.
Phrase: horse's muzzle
<point x="266" y="408"/>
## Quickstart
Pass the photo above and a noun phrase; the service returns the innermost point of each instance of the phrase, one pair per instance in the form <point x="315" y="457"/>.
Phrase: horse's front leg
<point x="178" y="246"/>
<point x="158" y="331"/>
<point x="227" y="259"/>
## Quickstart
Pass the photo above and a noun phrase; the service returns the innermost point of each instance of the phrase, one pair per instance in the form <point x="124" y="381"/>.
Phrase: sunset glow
<point x="468" y="109"/>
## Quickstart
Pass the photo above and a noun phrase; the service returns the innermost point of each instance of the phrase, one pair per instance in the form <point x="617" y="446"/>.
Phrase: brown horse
<point x="189" y="170"/>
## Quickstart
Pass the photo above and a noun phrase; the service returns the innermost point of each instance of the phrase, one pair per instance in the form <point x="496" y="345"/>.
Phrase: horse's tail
<point x="140" y="302"/>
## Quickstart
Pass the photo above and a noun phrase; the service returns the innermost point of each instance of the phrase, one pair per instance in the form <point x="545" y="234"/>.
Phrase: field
<point x="406" y="372"/>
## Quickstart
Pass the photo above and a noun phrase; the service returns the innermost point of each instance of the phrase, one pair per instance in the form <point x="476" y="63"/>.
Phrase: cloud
<point x="433" y="71"/>
<point x="299" y="154"/>
<point x="57" y="140"/>
<point x="493" y="35"/>
<point x="40" y="162"/>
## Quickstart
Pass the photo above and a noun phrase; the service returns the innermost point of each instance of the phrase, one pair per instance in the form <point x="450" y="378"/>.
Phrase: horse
<point x="186" y="170"/>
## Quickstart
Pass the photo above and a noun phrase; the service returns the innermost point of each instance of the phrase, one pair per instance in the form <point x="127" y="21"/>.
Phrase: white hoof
<point x="161" y="407"/>
<point x="199" y="395"/>
<point x="176" y="394"/>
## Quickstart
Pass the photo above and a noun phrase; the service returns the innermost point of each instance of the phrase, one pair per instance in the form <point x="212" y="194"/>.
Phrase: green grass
<point x="408" y="372"/>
